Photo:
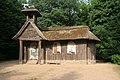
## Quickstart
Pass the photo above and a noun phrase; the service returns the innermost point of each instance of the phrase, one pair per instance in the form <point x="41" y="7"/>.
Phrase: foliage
<point x="10" y="22"/>
<point x="62" y="12"/>
<point x="104" y="22"/>
<point x="115" y="59"/>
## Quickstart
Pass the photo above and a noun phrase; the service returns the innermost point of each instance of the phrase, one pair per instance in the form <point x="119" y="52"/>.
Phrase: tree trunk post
<point x="39" y="52"/>
<point x="20" y="52"/>
<point x="25" y="54"/>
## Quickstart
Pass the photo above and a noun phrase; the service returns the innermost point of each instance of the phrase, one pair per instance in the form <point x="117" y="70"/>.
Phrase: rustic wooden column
<point x="39" y="52"/>
<point x="87" y="55"/>
<point x="28" y="52"/>
<point x="46" y="54"/>
<point x="27" y="18"/>
<point x="20" y="52"/>
<point x="25" y="54"/>
<point x="33" y="18"/>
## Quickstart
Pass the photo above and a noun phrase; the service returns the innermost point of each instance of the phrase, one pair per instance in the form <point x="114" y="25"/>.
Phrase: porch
<point x="29" y="51"/>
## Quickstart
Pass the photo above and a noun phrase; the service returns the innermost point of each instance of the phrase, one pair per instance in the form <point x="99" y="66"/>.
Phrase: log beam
<point x="25" y="54"/>
<point x="28" y="52"/>
<point x="39" y="52"/>
<point x="20" y="52"/>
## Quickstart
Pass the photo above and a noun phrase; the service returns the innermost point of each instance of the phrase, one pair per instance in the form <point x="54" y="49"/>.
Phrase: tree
<point x="10" y="23"/>
<point x="62" y="12"/>
<point x="104" y="22"/>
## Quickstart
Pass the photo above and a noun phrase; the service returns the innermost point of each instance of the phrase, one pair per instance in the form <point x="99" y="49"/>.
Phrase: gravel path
<point x="13" y="71"/>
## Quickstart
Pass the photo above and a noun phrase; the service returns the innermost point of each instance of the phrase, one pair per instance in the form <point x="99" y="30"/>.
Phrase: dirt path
<point x="13" y="71"/>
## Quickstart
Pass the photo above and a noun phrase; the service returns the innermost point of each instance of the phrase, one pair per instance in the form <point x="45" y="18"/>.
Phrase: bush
<point x="115" y="59"/>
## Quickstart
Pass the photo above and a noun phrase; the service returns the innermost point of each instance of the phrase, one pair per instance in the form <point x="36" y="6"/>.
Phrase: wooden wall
<point x="30" y="34"/>
<point x="85" y="51"/>
<point x="91" y="51"/>
<point x="81" y="46"/>
<point x="81" y="50"/>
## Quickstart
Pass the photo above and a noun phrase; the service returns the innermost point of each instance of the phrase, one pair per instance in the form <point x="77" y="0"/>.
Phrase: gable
<point x="30" y="33"/>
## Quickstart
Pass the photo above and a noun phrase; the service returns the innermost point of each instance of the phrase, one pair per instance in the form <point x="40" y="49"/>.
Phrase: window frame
<point x="71" y="47"/>
<point x="58" y="48"/>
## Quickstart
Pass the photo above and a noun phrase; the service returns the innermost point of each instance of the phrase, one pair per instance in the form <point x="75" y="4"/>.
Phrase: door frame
<point x="34" y="46"/>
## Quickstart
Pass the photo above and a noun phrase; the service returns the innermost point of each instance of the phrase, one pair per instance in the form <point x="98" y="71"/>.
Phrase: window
<point x="56" y="48"/>
<point x="71" y="47"/>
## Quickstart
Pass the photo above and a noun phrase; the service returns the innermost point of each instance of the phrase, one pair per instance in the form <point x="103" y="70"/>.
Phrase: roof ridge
<point x="63" y="28"/>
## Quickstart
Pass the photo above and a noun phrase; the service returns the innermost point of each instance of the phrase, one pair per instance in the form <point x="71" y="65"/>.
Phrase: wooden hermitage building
<point x="54" y="45"/>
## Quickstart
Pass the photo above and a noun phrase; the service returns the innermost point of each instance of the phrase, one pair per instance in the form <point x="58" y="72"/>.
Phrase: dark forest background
<point x="102" y="16"/>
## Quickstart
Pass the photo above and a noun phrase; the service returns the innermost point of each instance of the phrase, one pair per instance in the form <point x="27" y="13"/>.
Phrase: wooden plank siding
<point x="63" y="50"/>
<point x="91" y="51"/>
<point x="80" y="51"/>
<point x="85" y="52"/>
<point x="30" y="34"/>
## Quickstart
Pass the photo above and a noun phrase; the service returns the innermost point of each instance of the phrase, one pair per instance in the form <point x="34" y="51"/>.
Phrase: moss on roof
<point x="66" y="33"/>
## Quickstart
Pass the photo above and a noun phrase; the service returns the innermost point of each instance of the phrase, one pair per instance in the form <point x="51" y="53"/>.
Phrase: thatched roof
<point x="69" y="33"/>
<point x="60" y="33"/>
